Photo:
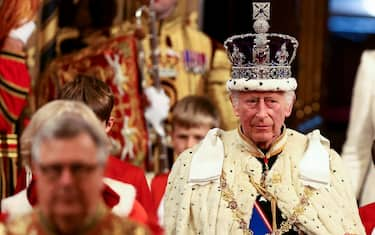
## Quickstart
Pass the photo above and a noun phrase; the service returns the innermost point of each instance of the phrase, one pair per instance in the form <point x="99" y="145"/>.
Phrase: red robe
<point x="158" y="186"/>
<point x="131" y="174"/>
<point x="367" y="214"/>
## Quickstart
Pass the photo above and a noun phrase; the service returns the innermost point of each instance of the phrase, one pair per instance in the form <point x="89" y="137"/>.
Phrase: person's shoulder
<point x="127" y="226"/>
<point x="159" y="181"/>
<point x="19" y="226"/>
<point x="17" y="204"/>
<point x="367" y="214"/>
<point x="196" y="31"/>
<point x="2" y="229"/>
<point x="114" y="162"/>
<point x="160" y="177"/>
<point x="368" y="55"/>
<point x="198" y="34"/>
<point x="296" y="136"/>
<point x="227" y="134"/>
<point x="368" y="209"/>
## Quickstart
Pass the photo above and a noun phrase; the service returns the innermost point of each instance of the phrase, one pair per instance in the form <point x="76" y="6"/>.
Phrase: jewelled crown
<point x="261" y="61"/>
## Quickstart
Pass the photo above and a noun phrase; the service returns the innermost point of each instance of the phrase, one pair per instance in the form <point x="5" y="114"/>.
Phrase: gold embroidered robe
<point x="103" y="223"/>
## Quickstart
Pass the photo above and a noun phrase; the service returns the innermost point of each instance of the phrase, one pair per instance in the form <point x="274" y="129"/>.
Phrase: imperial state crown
<point x="261" y="61"/>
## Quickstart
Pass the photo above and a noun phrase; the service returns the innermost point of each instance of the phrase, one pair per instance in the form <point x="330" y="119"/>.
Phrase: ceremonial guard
<point x="16" y="26"/>
<point x="189" y="61"/>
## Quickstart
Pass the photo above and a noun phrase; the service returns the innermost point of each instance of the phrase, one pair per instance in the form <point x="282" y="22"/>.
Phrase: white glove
<point x="23" y="32"/>
<point x="157" y="112"/>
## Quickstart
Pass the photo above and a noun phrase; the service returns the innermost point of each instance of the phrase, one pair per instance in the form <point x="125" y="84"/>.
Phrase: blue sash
<point x="258" y="221"/>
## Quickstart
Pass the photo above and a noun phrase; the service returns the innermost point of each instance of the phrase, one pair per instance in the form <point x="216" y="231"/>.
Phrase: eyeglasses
<point x="77" y="170"/>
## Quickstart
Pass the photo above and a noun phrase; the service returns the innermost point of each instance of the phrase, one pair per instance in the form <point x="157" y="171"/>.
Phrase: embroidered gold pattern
<point x="298" y="210"/>
<point x="228" y="196"/>
<point x="238" y="215"/>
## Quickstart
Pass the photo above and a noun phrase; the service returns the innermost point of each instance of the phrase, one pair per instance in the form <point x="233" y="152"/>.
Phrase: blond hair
<point x="194" y="111"/>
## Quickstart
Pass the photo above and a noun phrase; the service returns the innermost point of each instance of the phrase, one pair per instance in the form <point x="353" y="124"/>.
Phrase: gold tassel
<point x="270" y="197"/>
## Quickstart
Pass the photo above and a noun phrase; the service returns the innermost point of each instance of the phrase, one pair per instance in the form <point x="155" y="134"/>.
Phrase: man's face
<point x="184" y="138"/>
<point x="69" y="181"/>
<point x="261" y="115"/>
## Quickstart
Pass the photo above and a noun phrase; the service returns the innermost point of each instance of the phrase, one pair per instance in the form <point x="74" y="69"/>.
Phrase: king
<point x="262" y="177"/>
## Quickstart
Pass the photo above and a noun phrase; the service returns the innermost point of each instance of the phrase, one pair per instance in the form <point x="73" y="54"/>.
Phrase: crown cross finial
<point x="261" y="10"/>
<point x="261" y="15"/>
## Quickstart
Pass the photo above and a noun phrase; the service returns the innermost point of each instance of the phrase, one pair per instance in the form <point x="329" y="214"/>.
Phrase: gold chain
<point x="228" y="196"/>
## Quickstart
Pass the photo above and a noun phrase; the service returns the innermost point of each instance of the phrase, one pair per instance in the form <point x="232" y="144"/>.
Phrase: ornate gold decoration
<point x="297" y="211"/>
<point x="228" y="196"/>
<point x="238" y="215"/>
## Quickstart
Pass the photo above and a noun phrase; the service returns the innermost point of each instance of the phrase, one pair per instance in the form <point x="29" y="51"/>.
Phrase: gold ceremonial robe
<point x="103" y="223"/>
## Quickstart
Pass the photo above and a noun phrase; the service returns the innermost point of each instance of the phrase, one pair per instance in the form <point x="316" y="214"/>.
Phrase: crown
<point x="261" y="61"/>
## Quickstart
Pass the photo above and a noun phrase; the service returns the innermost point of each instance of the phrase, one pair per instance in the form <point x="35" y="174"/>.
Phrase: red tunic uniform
<point x="130" y="174"/>
<point x="367" y="214"/>
<point x="158" y="185"/>
<point x="14" y="88"/>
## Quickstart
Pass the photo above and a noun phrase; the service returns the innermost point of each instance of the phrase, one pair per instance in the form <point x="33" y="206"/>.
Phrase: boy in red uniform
<point x="192" y="117"/>
<point x="99" y="97"/>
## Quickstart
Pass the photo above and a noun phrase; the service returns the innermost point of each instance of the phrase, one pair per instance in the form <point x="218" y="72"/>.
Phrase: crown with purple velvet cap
<point x="261" y="61"/>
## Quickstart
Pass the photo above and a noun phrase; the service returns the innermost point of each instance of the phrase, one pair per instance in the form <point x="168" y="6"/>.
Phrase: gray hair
<point x="70" y="123"/>
<point x="290" y="96"/>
